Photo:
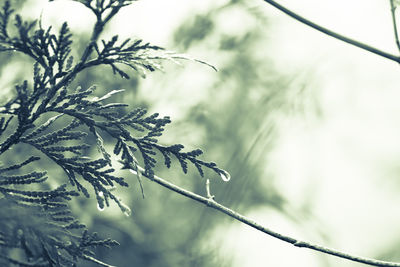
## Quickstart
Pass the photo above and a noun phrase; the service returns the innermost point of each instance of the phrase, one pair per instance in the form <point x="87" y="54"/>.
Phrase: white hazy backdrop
<point x="344" y="165"/>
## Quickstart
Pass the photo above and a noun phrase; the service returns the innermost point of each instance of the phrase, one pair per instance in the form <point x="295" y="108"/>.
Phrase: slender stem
<point x="90" y="258"/>
<point x="235" y="215"/>
<point x="396" y="33"/>
<point x="333" y="34"/>
<point x="12" y="139"/>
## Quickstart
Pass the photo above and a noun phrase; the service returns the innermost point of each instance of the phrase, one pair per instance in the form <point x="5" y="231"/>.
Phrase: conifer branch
<point x="210" y="202"/>
<point x="333" y="34"/>
<point x="55" y="244"/>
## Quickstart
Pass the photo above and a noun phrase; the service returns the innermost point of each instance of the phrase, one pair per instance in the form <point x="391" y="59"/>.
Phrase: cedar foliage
<point x="52" y="236"/>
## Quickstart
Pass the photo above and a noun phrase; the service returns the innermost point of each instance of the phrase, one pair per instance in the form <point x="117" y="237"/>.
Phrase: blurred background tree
<point x="231" y="114"/>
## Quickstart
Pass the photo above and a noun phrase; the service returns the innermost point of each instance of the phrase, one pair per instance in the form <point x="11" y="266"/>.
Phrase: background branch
<point x="393" y="12"/>
<point x="334" y="34"/>
<point x="235" y="215"/>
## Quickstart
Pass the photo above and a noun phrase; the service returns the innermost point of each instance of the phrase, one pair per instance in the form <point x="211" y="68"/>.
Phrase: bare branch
<point x="334" y="34"/>
<point x="235" y="215"/>
<point x="396" y="33"/>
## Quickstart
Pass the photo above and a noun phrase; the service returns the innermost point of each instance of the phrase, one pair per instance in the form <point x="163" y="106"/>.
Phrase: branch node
<point x="300" y="244"/>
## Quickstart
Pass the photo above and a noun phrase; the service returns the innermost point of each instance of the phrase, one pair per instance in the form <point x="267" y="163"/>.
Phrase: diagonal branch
<point x="334" y="34"/>
<point x="235" y="215"/>
<point x="396" y="33"/>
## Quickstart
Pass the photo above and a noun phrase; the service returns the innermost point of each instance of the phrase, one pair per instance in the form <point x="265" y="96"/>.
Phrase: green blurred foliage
<point x="235" y="125"/>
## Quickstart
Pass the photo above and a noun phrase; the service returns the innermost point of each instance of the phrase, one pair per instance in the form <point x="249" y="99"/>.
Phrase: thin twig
<point x="208" y="191"/>
<point x="90" y="258"/>
<point x="235" y="215"/>
<point x="334" y="34"/>
<point x="396" y="33"/>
